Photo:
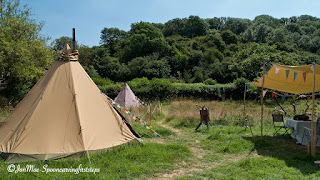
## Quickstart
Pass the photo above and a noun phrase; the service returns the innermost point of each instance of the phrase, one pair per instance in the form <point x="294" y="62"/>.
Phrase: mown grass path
<point x="202" y="159"/>
<point x="230" y="152"/>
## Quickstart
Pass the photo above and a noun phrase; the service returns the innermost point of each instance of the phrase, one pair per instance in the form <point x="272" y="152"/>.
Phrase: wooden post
<point x="244" y="100"/>
<point x="313" y="124"/>
<point x="150" y="113"/>
<point x="73" y="39"/>
<point x="264" y="71"/>
<point x="250" y="127"/>
<point x="88" y="156"/>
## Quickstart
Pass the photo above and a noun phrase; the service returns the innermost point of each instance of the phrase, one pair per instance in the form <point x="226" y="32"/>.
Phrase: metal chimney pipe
<point x="73" y="38"/>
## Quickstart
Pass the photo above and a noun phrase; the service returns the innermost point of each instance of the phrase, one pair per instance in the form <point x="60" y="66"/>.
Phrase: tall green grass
<point x="125" y="162"/>
<point x="226" y="139"/>
<point x="257" y="168"/>
<point x="145" y="133"/>
<point x="247" y="157"/>
<point x="185" y="113"/>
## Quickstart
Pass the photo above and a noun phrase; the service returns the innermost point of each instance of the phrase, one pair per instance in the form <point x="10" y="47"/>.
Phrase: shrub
<point x="198" y="77"/>
<point x="160" y="87"/>
<point x="92" y="72"/>
<point x="139" y="82"/>
<point x="240" y="83"/>
<point x="101" y="81"/>
<point x="210" y="81"/>
<point x="111" y="90"/>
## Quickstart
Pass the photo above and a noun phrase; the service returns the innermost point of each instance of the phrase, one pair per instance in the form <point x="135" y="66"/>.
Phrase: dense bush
<point x="164" y="89"/>
<point x="210" y="81"/>
<point x="240" y="83"/>
<point x="139" y="82"/>
<point x="111" y="90"/>
<point x="102" y="81"/>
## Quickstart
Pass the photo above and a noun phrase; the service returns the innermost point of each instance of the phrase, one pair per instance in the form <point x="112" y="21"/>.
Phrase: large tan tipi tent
<point x="126" y="97"/>
<point x="64" y="114"/>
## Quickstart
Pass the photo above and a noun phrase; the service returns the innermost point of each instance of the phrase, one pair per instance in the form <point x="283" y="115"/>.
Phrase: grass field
<point x="227" y="151"/>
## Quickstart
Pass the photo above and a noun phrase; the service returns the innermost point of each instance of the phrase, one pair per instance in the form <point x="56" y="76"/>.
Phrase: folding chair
<point x="278" y="124"/>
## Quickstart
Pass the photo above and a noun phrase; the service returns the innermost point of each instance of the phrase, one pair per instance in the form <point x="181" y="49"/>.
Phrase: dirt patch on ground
<point x="198" y="151"/>
<point x="198" y="167"/>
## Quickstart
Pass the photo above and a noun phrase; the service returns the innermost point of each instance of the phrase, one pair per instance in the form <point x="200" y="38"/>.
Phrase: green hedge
<point x="163" y="89"/>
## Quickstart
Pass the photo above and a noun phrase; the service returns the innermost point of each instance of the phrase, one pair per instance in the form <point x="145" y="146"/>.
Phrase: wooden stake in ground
<point x="250" y="127"/>
<point x="244" y="100"/>
<point x="313" y="121"/>
<point x="88" y="156"/>
<point x="150" y="113"/>
<point x="264" y="71"/>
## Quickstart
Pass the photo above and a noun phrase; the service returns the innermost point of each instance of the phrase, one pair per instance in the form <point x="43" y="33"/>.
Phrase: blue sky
<point x="89" y="17"/>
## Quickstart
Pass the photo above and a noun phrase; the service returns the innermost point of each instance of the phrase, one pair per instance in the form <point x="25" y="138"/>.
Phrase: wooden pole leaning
<point x="264" y="71"/>
<point x="150" y="113"/>
<point x="313" y="121"/>
<point x="244" y="100"/>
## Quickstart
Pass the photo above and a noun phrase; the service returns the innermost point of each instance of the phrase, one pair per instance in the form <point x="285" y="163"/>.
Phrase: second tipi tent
<point x="126" y="97"/>
<point x="64" y="114"/>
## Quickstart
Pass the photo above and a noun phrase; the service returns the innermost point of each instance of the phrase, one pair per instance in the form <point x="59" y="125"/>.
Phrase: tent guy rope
<point x="135" y="118"/>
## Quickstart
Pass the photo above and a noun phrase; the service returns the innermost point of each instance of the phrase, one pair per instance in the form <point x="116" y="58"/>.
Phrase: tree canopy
<point x="191" y="49"/>
<point x="194" y="49"/>
<point x="24" y="55"/>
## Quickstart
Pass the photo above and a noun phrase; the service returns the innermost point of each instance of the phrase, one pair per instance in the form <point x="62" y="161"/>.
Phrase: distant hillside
<point x="194" y="49"/>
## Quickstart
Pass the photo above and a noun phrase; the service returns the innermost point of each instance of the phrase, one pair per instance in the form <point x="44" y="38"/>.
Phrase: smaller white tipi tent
<point x="126" y="97"/>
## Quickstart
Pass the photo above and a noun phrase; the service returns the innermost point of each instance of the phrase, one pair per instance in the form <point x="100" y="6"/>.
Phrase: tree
<point x="23" y="52"/>
<point x="307" y="18"/>
<point x="260" y="33"/>
<point x="144" y="39"/>
<point x="267" y="20"/>
<point x="111" y="36"/>
<point x="174" y="27"/>
<point x="85" y="55"/>
<point x="59" y="43"/>
<point x="236" y="25"/>
<point x="190" y="27"/>
<point x="229" y="37"/>
<point x="110" y="67"/>
<point x="198" y="76"/>
<point x="278" y="35"/>
<point x="293" y="27"/>
<point x="149" y="66"/>
<point x="215" y="23"/>
<point x="195" y="27"/>
<point x="214" y="41"/>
